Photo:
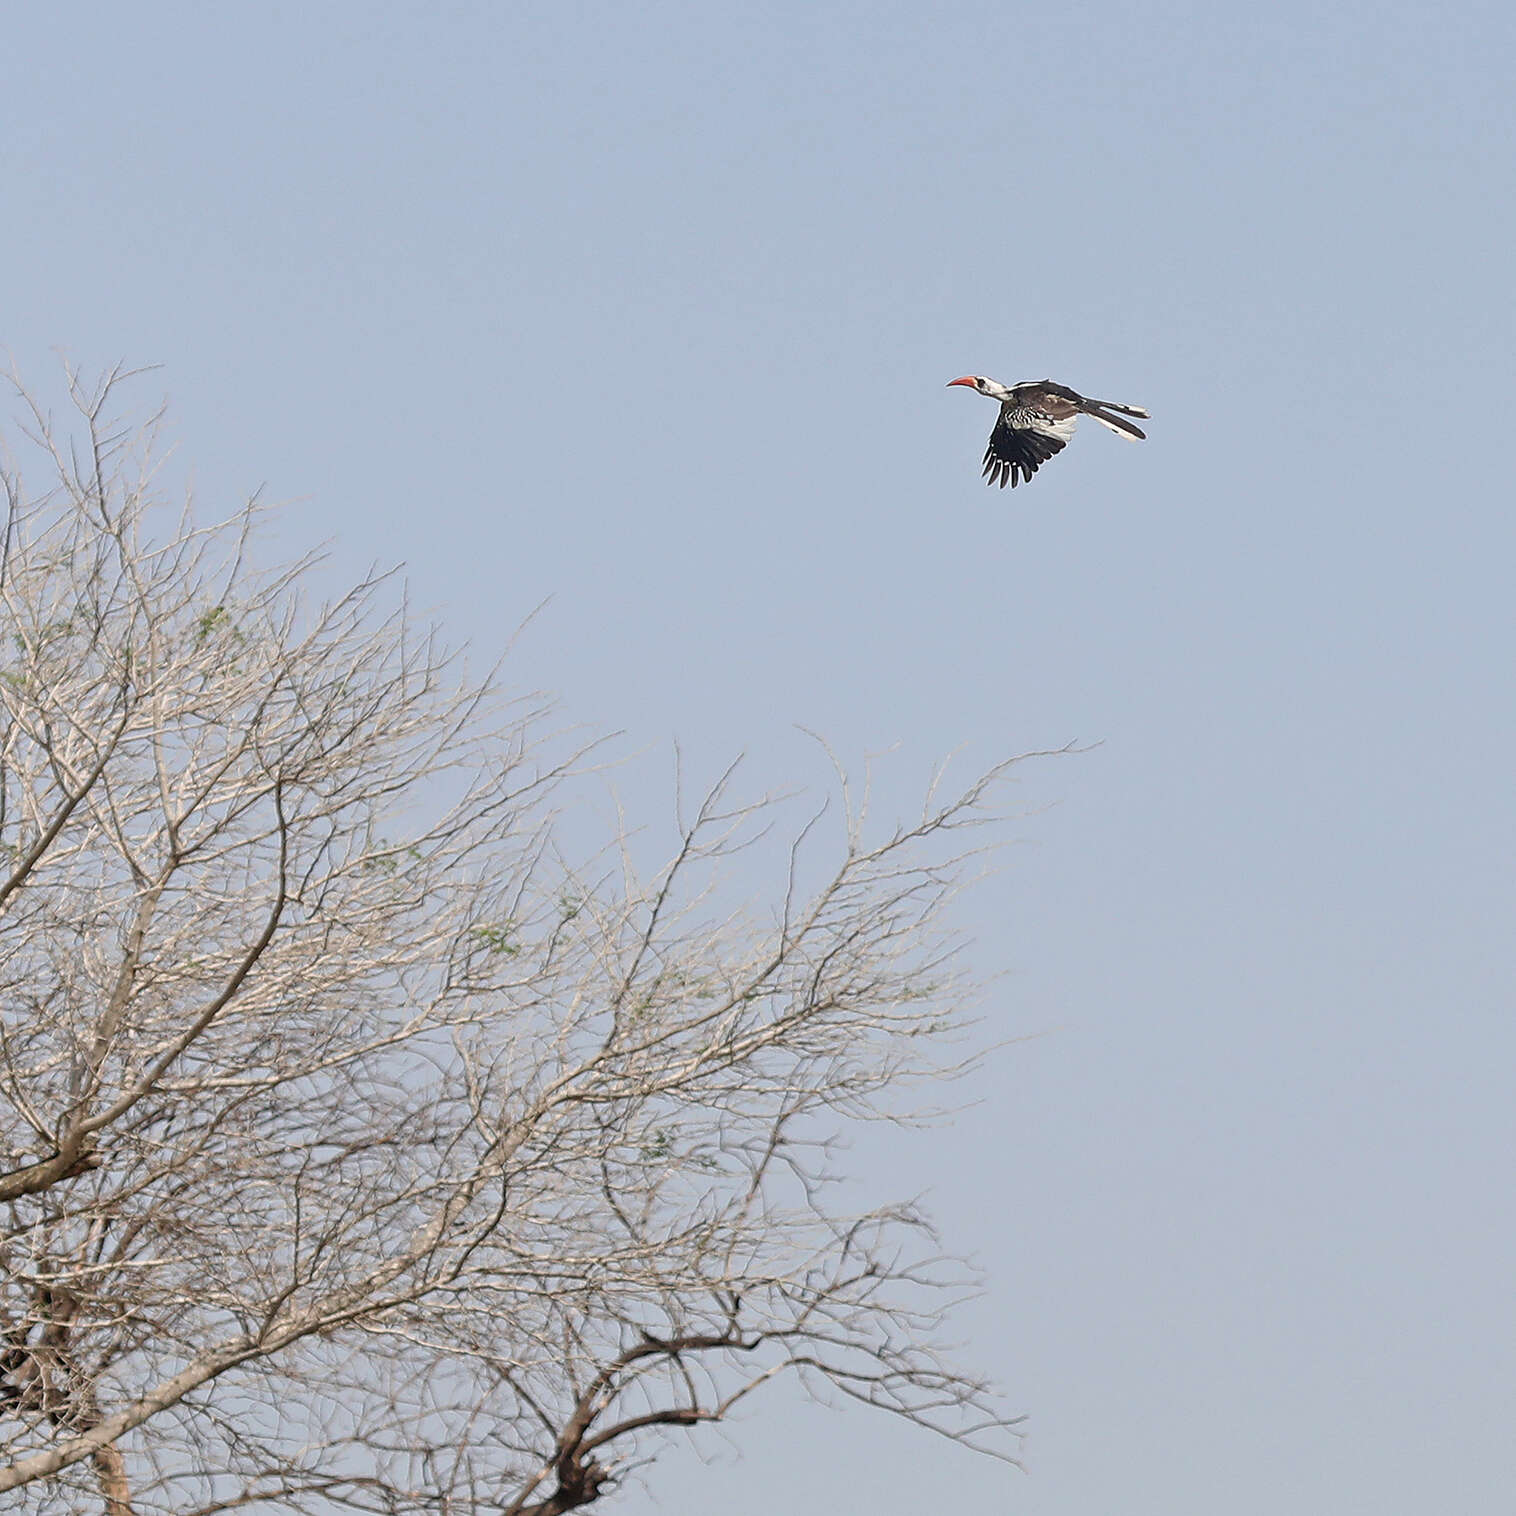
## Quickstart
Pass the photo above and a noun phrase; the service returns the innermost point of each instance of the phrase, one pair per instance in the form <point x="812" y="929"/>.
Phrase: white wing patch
<point x="1035" y="421"/>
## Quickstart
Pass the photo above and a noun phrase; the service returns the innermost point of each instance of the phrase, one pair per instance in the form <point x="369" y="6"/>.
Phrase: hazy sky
<point x="650" y="309"/>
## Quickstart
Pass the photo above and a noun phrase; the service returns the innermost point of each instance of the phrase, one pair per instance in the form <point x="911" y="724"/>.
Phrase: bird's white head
<point x="985" y="386"/>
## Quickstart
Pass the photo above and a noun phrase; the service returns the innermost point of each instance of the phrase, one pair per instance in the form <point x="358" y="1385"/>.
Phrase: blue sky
<point x="650" y="310"/>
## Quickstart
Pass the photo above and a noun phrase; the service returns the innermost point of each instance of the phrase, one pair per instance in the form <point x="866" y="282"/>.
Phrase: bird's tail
<point x="1098" y="409"/>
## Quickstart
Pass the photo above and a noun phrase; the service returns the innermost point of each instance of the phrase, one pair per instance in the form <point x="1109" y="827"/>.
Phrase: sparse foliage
<point x="361" y="1150"/>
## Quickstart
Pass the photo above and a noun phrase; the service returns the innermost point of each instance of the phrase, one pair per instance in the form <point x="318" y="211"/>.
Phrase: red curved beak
<point x="968" y="379"/>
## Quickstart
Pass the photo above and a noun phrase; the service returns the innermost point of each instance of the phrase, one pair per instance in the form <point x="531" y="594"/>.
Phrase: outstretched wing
<point x="1023" y="440"/>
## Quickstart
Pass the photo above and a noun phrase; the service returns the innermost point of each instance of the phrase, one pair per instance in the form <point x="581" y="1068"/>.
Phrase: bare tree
<point x="364" y="1151"/>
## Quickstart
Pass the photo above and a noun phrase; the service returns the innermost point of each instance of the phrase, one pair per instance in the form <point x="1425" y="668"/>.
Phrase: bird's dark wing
<point x="1021" y="443"/>
<point x="1045" y="390"/>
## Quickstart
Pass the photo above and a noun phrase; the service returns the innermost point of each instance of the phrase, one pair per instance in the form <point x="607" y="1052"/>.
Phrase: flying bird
<point x="1036" y="421"/>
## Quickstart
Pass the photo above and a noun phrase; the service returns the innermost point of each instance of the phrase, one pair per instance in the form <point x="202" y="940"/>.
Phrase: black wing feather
<point x="1016" y="453"/>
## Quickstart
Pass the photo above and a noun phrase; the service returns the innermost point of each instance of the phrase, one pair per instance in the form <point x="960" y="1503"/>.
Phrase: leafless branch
<point x="364" y="1150"/>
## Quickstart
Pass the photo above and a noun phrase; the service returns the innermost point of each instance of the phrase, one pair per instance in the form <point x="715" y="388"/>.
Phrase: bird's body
<point x="1036" y="421"/>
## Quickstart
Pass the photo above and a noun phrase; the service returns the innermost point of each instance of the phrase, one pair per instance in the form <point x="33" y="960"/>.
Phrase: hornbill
<point x="1036" y="420"/>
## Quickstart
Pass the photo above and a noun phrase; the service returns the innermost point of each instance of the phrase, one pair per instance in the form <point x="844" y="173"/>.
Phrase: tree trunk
<point x="111" y="1467"/>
